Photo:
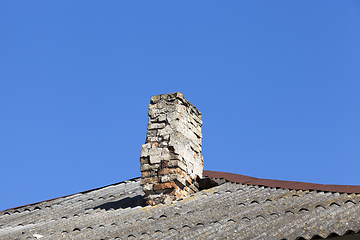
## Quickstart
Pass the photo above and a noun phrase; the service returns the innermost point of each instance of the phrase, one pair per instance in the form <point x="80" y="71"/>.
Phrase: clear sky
<point x="277" y="82"/>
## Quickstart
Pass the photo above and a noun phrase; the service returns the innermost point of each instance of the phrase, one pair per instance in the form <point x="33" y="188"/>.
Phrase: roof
<point x="238" y="178"/>
<point x="240" y="207"/>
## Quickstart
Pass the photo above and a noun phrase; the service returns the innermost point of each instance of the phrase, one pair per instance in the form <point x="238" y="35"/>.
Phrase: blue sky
<point x="277" y="83"/>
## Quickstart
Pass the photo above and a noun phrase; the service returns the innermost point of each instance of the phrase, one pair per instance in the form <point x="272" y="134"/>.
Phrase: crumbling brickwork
<point x="171" y="160"/>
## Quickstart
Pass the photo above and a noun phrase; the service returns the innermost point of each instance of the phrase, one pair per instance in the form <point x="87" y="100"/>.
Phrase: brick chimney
<point x="171" y="160"/>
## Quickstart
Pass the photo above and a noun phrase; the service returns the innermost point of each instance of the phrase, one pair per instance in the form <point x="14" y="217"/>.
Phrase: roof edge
<point x="238" y="178"/>
<point x="69" y="195"/>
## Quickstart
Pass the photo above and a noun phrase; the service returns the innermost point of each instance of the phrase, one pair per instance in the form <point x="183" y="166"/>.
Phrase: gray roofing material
<point x="230" y="210"/>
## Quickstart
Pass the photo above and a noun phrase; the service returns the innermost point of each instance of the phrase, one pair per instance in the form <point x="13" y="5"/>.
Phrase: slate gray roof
<point x="230" y="210"/>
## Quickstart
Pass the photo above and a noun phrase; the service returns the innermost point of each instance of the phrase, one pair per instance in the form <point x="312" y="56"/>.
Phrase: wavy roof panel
<point x="240" y="208"/>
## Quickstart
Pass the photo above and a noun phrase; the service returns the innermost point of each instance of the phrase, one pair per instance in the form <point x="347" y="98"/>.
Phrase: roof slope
<point x="238" y="178"/>
<point x="232" y="209"/>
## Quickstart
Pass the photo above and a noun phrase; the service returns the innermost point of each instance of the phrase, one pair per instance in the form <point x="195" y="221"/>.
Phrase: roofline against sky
<point x="238" y="178"/>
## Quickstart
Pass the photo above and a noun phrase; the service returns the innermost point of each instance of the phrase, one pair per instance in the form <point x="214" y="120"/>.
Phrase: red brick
<point x="189" y="180"/>
<point x="164" y="186"/>
<point x="145" y="174"/>
<point x="150" y="202"/>
<point x="178" y="195"/>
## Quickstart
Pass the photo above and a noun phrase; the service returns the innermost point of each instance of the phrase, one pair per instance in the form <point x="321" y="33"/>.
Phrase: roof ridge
<point x="82" y="192"/>
<point x="238" y="178"/>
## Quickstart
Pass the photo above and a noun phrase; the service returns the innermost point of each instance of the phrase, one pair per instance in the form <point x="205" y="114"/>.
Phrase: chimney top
<point x="171" y="160"/>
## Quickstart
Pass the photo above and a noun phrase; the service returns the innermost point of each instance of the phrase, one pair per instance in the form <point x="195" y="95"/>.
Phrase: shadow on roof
<point x="124" y="203"/>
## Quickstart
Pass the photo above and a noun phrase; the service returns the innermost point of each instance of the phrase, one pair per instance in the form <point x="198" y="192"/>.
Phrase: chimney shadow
<point x="206" y="183"/>
<point x="139" y="200"/>
<point x="124" y="203"/>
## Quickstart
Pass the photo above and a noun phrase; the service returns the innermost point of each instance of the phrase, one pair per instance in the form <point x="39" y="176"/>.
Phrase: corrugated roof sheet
<point x="231" y="210"/>
<point x="238" y="178"/>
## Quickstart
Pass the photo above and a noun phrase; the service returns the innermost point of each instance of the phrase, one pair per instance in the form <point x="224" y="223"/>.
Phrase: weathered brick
<point x="164" y="186"/>
<point x="155" y="150"/>
<point x="176" y="163"/>
<point x="170" y="171"/>
<point x="155" y="159"/>
<point x="144" y="160"/>
<point x="173" y="192"/>
<point x="183" y="194"/>
<point x="148" y="187"/>
<point x="179" y="180"/>
<point x="145" y="167"/>
<point x="192" y="187"/>
<point x="178" y="195"/>
<point x="169" y="178"/>
<point x="149" y="180"/>
<point x="155" y="99"/>
<point x="155" y="126"/>
<point x="165" y="157"/>
<point x="148" y="167"/>
<point x="164" y="164"/>
<point x="189" y="180"/>
<point x="148" y="174"/>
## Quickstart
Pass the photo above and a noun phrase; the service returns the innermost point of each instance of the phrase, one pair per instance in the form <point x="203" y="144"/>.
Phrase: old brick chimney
<point x="171" y="160"/>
